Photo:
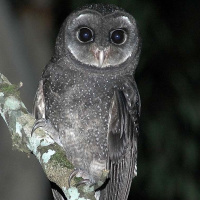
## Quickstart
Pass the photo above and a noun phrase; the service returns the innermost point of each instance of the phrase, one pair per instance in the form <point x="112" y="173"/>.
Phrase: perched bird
<point x="88" y="99"/>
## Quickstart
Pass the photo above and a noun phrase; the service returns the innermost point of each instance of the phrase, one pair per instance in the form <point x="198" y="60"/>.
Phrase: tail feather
<point x="119" y="184"/>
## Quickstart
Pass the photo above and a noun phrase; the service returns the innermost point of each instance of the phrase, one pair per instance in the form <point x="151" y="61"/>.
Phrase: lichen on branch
<point x="50" y="155"/>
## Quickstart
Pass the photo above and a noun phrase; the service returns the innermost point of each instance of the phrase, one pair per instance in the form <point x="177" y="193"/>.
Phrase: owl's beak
<point x="101" y="57"/>
<point x="101" y="54"/>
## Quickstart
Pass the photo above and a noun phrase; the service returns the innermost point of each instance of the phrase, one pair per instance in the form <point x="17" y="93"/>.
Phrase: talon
<point x="72" y="175"/>
<point x="85" y="181"/>
<point x="93" y="184"/>
<point x="38" y="123"/>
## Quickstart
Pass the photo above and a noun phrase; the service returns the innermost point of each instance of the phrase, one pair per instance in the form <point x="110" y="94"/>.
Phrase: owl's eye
<point x="85" y="34"/>
<point x="118" y="36"/>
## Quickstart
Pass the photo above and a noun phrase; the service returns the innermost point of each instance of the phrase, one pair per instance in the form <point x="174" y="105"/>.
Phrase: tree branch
<point x="50" y="155"/>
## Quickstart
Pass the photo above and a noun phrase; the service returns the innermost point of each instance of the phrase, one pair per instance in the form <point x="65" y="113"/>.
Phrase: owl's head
<point x="100" y="36"/>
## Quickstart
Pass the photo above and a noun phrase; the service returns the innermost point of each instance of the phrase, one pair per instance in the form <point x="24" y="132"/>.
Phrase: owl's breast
<point x="85" y="111"/>
<point x="78" y="108"/>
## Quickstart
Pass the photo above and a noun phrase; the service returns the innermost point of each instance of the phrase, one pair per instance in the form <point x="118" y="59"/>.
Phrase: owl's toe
<point x="38" y="123"/>
<point x="79" y="179"/>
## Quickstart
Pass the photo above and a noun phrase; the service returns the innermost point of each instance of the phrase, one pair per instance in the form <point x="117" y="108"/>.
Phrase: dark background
<point x="168" y="78"/>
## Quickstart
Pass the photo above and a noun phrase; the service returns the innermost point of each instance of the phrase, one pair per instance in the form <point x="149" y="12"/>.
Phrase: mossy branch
<point x="50" y="155"/>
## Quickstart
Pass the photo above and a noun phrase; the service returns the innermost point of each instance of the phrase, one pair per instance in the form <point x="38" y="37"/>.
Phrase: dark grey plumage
<point x="89" y="99"/>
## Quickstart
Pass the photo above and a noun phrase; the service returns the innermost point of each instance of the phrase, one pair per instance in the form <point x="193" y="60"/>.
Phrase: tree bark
<point x="50" y="155"/>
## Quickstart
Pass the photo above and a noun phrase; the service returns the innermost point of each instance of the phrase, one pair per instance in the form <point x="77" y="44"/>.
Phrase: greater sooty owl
<point x="88" y="98"/>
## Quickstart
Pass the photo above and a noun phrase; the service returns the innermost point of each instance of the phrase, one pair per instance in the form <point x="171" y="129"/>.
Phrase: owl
<point x="88" y="99"/>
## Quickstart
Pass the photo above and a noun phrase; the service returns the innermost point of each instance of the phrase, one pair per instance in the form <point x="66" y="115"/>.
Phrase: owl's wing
<point x="39" y="108"/>
<point x="122" y="141"/>
<point x="39" y="102"/>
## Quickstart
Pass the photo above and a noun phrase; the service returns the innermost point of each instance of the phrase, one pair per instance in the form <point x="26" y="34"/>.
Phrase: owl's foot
<point x="47" y="126"/>
<point x="39" y="123"/>
<point x="83" y="181"/>
<point x="72" y="175"/>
